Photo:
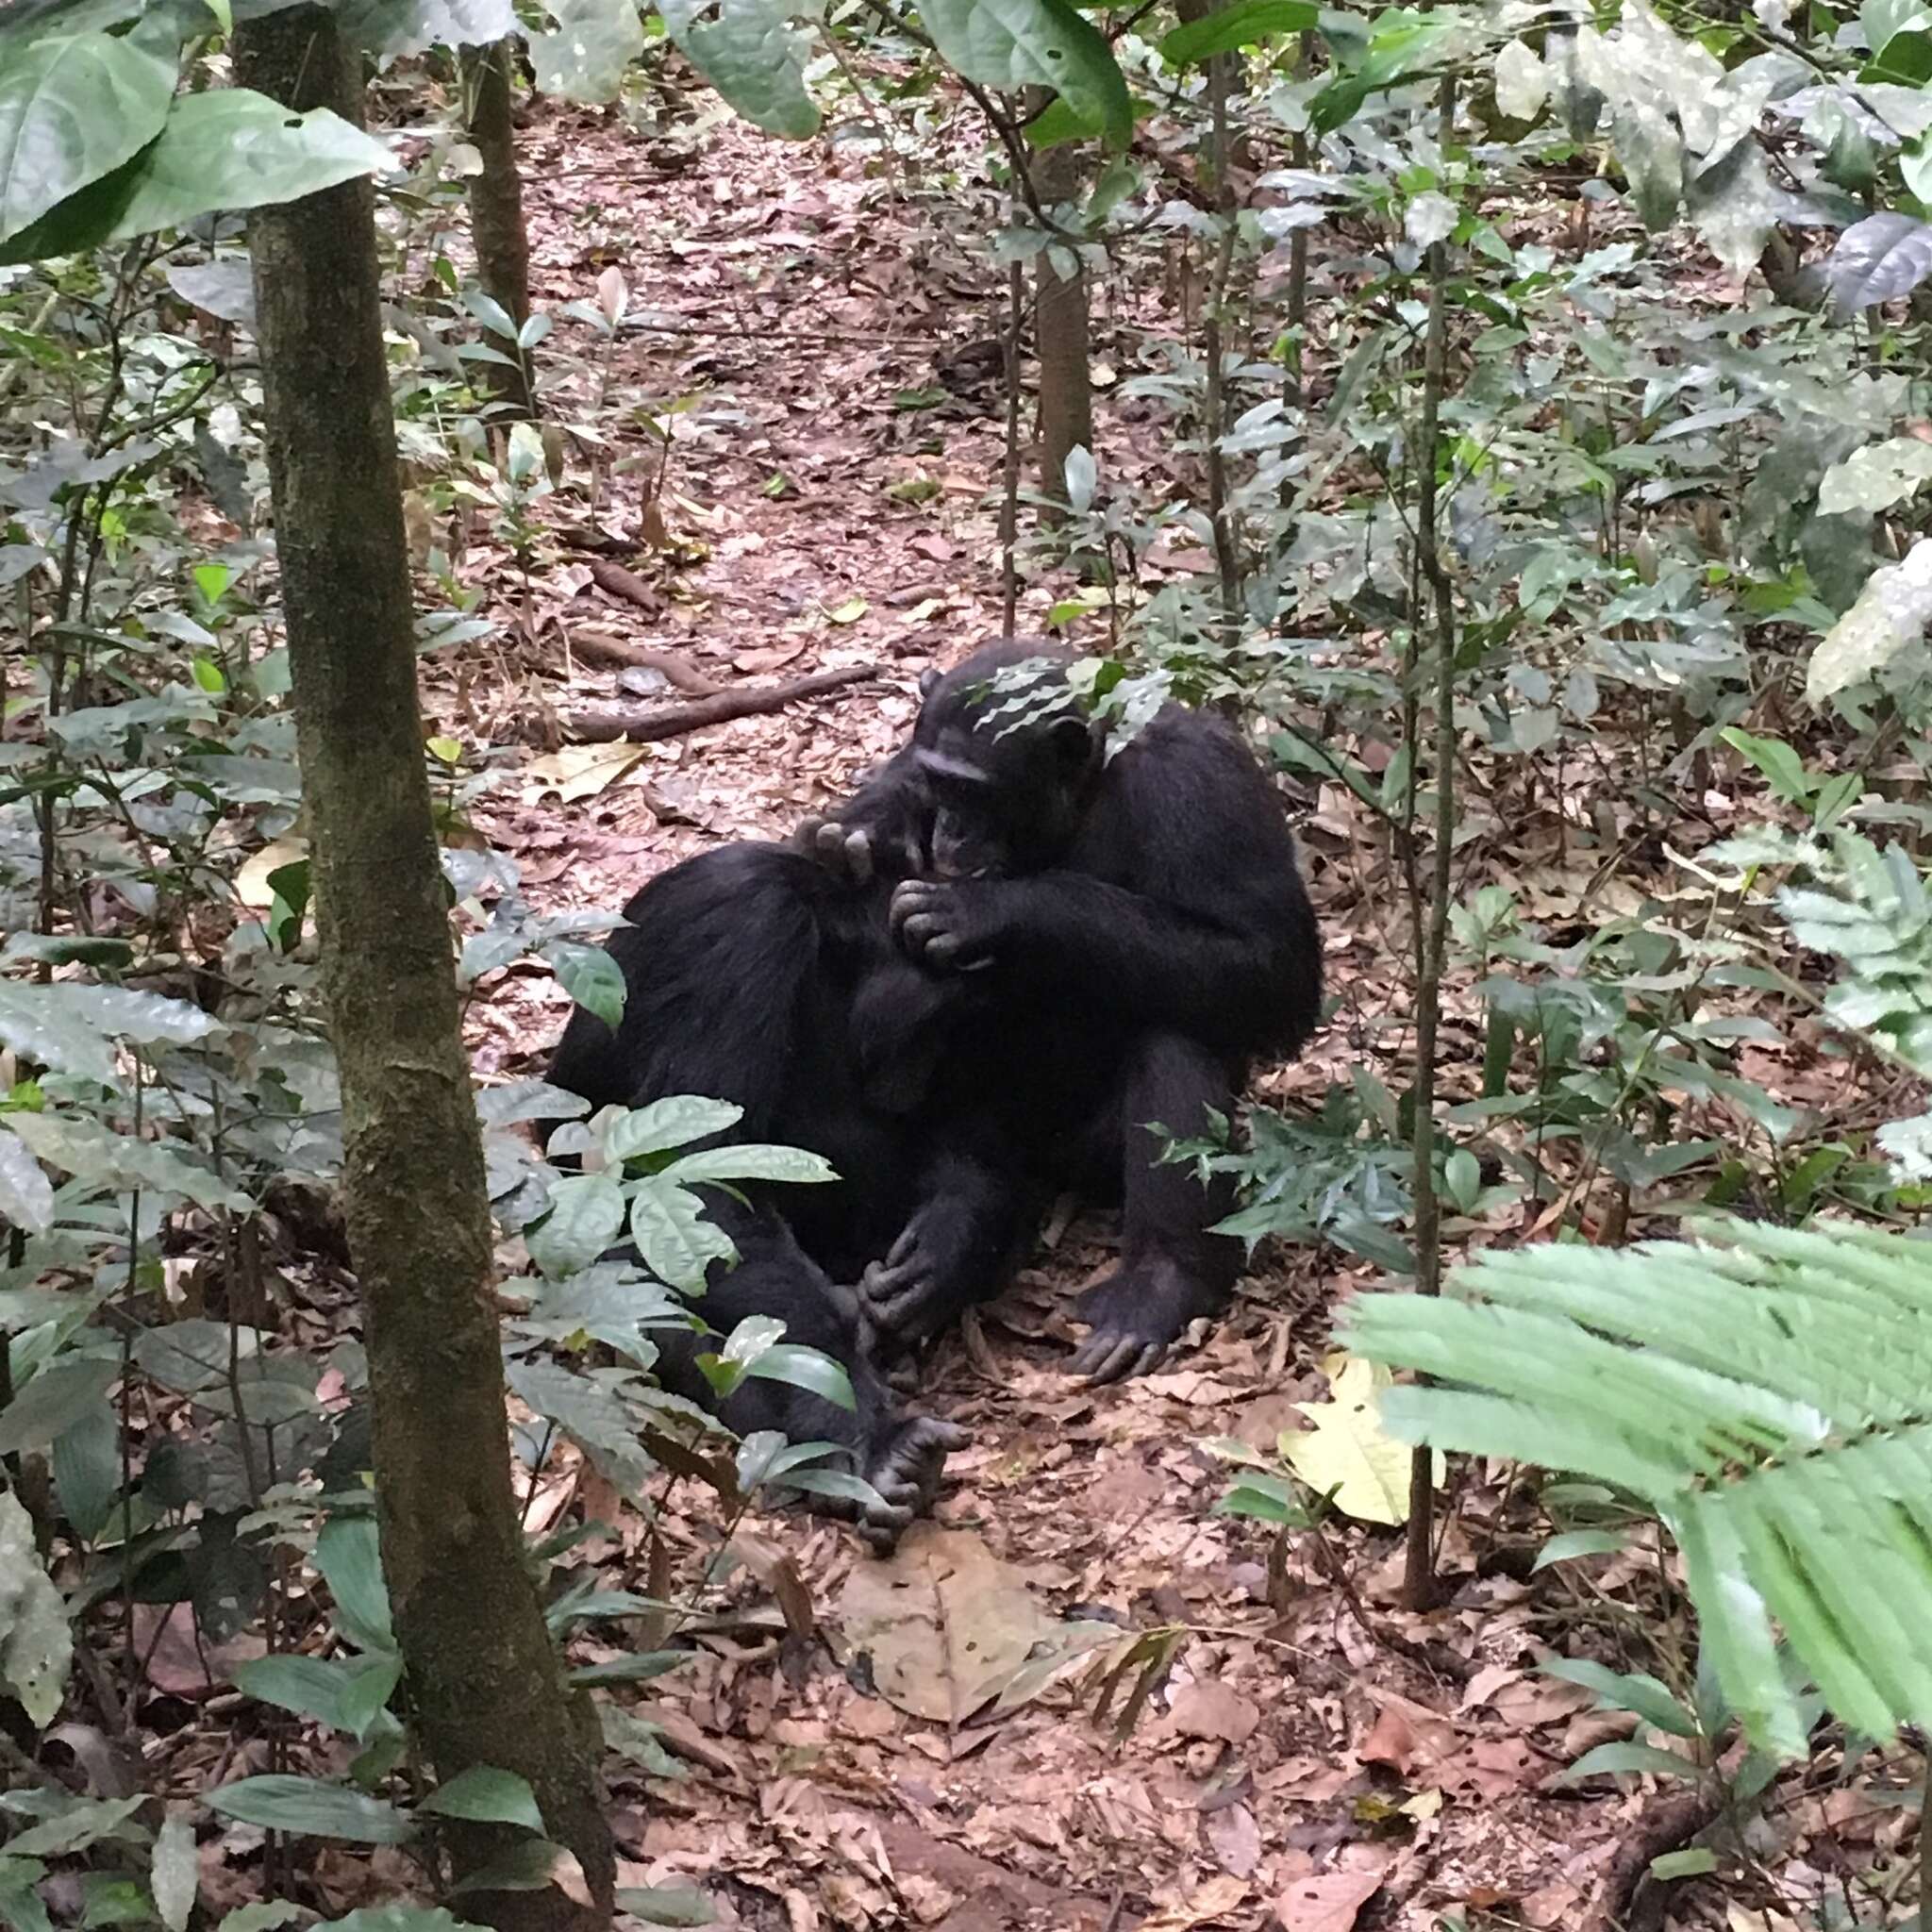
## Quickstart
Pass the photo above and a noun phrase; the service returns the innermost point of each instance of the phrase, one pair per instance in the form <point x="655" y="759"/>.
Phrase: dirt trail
<point x="1293" y="1769"/>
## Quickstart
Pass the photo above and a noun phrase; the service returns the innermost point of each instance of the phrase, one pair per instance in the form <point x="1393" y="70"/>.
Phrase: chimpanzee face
<point x="1005" y="801"/>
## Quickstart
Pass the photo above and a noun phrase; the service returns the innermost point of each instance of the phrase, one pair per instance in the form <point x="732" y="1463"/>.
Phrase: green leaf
<point x="671" y="1233"/>
<point x="344" y="1694"/>
<point x="1885" y="627"/>
<point x="47" y="1033"/>
<point x="1015" y="43"/>
<point x="1619" y="1757"/>
<point x="309" y="1807"/>
<point x="348" y="1554"/>
<point x="673" y="1122"/>
<point x="591" y="977"/>
<point x="1779" y="763"/>
<point x="585" y="58"/>
<point x="1246" y="24"/>
<point x="1634" y="1690"/>
<point x="27" y="1195"/>
<point x="269" y="1916"/>
<point x="1580" y="1542"/>
<point x="174" y="1877"/>
<point x="749" y="1161"/>
<point x="230" y="148"/>
<point x="74" y="107"/>
<point x="485" y="1795"/>
<point x="805" y="1368"/>
<point x="752" y="55"/>
<point x="36" y="1645"/>
<point x="586" y="1218"/>
<point x="665" y="1905"/>
<point x="1876" y="476"/>
<point x="78" y="1825"/>
<point x="96" y="1153"/>
<point x="636" y="1669"/>
<point x="56" y="1398"/>
<point x="86" y="1469"/>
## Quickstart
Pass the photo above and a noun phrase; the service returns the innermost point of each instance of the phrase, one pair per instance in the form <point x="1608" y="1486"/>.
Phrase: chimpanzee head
<point x="1008" y="789"/>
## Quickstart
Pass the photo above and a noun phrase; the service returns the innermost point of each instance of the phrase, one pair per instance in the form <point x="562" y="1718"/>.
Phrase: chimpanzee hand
<point x="951" y="926"/>
<point x="906" y="1296"/>
<point x="906" y="1472"/>
<point x="846" y="850"/>
<point x="1138" y="1313"/>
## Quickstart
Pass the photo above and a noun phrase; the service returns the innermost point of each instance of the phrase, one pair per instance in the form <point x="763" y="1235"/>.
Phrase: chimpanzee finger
<point x="1105" y="1355"/>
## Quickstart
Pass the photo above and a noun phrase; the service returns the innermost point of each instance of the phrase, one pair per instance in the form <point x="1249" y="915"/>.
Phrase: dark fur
<point x="1138" y="935"/>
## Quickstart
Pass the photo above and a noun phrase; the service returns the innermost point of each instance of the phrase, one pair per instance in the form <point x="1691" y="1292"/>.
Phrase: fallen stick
<point x="600" y="649"/>
<point x="640" y="727"/>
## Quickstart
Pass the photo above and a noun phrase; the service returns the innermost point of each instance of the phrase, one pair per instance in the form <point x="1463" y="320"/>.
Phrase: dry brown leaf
<point x="1237" y="1840"/>
<point x="1207" y="1709"/>
<point x="1326" y="1903"/>
<point x="1220" y="1895"/>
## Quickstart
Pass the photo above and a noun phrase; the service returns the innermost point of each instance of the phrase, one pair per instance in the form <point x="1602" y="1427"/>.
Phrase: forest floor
<point x="1315" y="1759"/>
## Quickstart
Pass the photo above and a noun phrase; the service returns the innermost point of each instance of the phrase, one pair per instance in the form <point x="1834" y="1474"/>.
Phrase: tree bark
<point x="496" y="206"/>
<point x="484" y="1678"/>
<point x="1060" y="333"/>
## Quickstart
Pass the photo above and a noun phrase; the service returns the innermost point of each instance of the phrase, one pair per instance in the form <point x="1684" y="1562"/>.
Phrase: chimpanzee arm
<point x="1249" y="980"/>
<point x="882" y="831"/>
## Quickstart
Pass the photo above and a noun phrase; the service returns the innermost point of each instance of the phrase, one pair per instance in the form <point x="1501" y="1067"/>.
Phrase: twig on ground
<point x="641" y="728"/>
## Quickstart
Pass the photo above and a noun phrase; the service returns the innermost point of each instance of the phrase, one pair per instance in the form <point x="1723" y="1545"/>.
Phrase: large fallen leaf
<point x="950" y="1628"/>
<point x="1220" y="1895"/>
<point x="579" y="770"/>
<point x="252" y="885"/>
<point x="1346" y="1449"/>
<point x="1327" y="1902"/>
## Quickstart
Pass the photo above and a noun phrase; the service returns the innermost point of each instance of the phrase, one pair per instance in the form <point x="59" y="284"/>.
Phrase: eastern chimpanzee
<point x="751" y="975"/>
<point x="1127" y="933"/>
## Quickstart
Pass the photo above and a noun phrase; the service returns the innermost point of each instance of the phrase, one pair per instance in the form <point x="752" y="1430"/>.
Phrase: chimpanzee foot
<point x="906" y="1472"/>
<point x="1137" y="1314"/>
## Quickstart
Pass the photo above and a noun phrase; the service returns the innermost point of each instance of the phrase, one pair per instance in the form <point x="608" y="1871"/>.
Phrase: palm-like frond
<point x="1770" y="1399"/>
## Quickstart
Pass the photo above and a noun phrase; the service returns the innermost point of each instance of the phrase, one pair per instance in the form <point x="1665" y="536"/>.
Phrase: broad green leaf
<point x="93" y="1153"/>
<point x="1886" y="625"/>
<point x="343" y="1693"/>
<point x="1634" y="1690"/>
<point x="348" y="1554"/>
<point x="673" y="1234"/>
<point x="56" y="1398"/>
<point x="585" y="58"/>
<point x="1431" y="218"/>
<point x="148" y="1019"/>
<point x="1878" y="259"/>
<point x="665" y="1905"/>
<point x="1876" y="476"/>
<point x="174" y="1877"/>
<point x="749" y="1161"/>
<point x="1015" y="43"/>
<point x="85" y="1822"/>
<point x="36" y="1646"/>
<point x="673" y="1122"/>
<point x="1779" y="763"/>
<point x="269" y="1916"/>
<point x="753" y="55"/>
<point x="27" y="1195"/>
<point x="1246" y="24"/>
<point x="1628" y="1758"/>
<point x="805" y="1368"/>
<point x="230" y="148"/>
<point x="586" y="1218"/>
<point x="485" y="1795"/>
<point x="309" y="1807"/>
<point x="49" y="1034"/>
<point x="74" y="107"/>
<point x="591" y="977"/>
<point x="86" y="1468"/>
<point x="1580" y="1542"/>
<point x="387" y="30"/>
<point x="1523" y="82"/>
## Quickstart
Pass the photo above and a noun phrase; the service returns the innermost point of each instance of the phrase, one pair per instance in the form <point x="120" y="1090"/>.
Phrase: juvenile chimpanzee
<point x="1128" y="934"/>
<point x="751" y="975"/>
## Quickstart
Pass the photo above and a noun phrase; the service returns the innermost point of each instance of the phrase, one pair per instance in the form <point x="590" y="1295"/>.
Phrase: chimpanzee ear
<point x="928" y="680"/>
<point x="1075" y="742"/>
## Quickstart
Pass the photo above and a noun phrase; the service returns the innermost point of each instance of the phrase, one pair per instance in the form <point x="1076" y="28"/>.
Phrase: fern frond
<point x="1770" y="1399"/>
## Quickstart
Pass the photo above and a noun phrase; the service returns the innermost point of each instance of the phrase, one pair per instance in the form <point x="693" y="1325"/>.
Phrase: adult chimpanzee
<point x="1128" y="933"/>
<point x="752" y="977"/>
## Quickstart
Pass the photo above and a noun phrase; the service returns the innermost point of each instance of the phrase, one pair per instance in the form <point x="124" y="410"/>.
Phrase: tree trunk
<point x="483" y="1677"/>
<point x="1059" y="333"/>
<point x="496" y="206"/>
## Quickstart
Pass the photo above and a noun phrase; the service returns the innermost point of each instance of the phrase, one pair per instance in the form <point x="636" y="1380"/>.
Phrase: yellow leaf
<point x="251" y="883"/>
<point x="1346" y="1449"/>
<point x="850" y="611"/>
<point x="580" y="771"/>
<point x="448" y="749"/>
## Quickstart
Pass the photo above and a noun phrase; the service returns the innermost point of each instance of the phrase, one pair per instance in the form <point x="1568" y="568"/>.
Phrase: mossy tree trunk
<point x="483" y="1676"/>
<point x="496" y="205"/>
<point x="1061" y="328"/>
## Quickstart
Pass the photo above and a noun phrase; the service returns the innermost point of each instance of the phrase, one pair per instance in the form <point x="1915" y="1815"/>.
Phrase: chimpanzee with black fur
<point x="1127" y="934"/>
<point x="752" y="977"/>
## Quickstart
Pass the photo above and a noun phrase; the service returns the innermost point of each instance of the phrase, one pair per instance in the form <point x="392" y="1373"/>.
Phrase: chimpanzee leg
<point x="902" y="1456"/>
<point x="971" y="1225"/>
<point x="1172" y="1269"/>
